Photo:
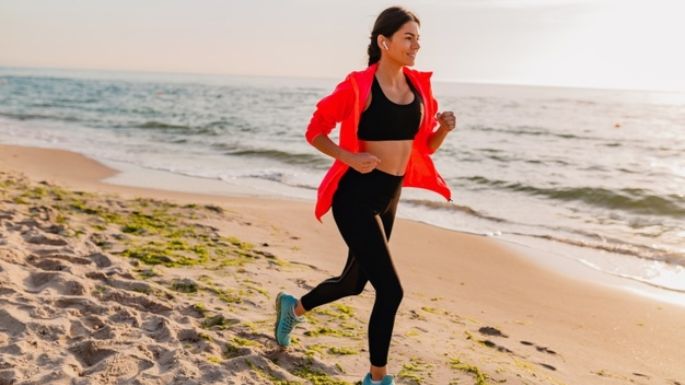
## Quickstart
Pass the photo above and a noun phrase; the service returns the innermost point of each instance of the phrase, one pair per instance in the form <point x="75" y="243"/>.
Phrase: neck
<point x="390" y="72"/>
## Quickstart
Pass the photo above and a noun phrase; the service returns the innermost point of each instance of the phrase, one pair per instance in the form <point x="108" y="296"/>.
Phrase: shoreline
<point x="590" y="327"/>
<point x="119" y="175"/>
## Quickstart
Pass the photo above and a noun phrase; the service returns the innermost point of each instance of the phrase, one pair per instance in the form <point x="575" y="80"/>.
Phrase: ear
<point x="379" y="42"/>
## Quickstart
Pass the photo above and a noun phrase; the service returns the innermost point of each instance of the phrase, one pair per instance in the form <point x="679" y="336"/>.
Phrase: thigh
<point x="388" y="216"/>
<point x="363" y="232"/>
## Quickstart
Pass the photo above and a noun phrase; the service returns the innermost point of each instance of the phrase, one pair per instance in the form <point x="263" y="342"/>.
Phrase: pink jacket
<point x="345" y="105"/>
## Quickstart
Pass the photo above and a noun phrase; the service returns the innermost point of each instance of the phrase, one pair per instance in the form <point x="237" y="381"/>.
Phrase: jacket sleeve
<point x="331" y="109"/>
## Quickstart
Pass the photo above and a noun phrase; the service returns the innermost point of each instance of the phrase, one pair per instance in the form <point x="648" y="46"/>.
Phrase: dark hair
<point x="387" y="23"/>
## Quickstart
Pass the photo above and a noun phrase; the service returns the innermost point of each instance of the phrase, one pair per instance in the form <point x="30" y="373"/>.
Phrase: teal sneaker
<point x="285" y="318"/>
<point x="387" y="380"/>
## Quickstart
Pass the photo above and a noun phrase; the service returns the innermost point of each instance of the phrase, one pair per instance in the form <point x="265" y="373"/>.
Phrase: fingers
<point x="447" y="119"/>
<point x="371" y="164"/>
<point x="446" y="115"/>
<point x="368" y="163"/>
<point x="371" y="159"/>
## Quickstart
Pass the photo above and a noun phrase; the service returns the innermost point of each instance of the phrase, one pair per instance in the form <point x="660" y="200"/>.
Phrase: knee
<point x="399" y="294"/>
<point x="391" y="295"/>
<point x="358" y="289"/>
<point x="354" y="287"/>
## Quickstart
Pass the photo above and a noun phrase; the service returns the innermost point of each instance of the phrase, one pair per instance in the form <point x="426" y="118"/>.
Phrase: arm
<point x="447" y="122"/>
<point x="362" y="162"/>
<point x="329" y="111"/>
<point x="324" y="144"/>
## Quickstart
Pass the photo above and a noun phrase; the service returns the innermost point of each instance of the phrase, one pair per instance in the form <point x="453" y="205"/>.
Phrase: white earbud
<point x="384" y="45"/>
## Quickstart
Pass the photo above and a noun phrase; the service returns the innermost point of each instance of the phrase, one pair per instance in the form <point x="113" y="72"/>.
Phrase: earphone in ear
<point x="385" y="45"/>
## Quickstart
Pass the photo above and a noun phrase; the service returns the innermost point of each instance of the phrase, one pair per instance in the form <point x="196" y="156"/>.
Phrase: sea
<point x="594" y="176"/>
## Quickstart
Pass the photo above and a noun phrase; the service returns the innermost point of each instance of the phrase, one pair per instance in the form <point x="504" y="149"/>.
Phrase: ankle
<point x="298" y="309"/>
<point x="377" y="374"/>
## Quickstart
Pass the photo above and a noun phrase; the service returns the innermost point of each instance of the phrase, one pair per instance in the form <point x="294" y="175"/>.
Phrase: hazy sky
<point x="593" y="43"/>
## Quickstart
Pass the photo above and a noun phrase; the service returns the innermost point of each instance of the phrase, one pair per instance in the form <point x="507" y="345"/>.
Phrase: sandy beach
<point x="108" y="284"/>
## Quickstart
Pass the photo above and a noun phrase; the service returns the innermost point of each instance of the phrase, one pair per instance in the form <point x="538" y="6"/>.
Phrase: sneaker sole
<point x="278" y="318"/>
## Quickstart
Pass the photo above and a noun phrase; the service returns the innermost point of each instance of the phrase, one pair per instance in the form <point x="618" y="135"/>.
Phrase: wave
<point x="635" y="200"/>
<point x="634" y="250"/>
<point x="282" y="156"/>
<point x="215" y="128"/>
<point x="30" y="116"/>
<point x="632" y="277"/>
<point x="532" y="131"/>
<point x="163" y="126"/>
<point x="477" y="155"/>
<point x="277" y="176"/>
<point x="304" y="186"/>
<point x="148" y="125"/>
<point x="437" y="205"/>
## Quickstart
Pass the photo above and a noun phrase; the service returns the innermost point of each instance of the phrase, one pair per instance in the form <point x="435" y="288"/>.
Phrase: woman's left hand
<point x="447" y="120"/>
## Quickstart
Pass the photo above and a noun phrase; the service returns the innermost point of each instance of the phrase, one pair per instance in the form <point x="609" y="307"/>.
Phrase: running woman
<point x="388" y="117"/>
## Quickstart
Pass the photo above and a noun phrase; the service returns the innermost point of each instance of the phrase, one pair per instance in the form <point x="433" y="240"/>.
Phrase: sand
<point x="105" y="284"/>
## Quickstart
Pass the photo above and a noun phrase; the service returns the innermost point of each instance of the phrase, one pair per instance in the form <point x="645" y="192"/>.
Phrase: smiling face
<point x="403" y="45"/>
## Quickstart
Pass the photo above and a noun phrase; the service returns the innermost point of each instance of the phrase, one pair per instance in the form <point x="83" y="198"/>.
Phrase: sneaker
<point x="387" y="380"/>
<point x="285" y="318"/>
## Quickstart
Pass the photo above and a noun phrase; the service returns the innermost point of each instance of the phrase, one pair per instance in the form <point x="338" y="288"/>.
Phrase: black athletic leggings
<point x="364" y="208"/>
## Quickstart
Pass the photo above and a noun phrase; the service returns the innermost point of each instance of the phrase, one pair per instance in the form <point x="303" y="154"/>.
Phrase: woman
<point x="388" y="117"/>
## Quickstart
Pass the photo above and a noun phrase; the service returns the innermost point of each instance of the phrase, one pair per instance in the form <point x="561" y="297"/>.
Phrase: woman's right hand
<point x="362" y="161"/>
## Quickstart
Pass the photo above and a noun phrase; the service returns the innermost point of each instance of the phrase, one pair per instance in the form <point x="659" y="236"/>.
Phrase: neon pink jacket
<point x="345" y="105"/>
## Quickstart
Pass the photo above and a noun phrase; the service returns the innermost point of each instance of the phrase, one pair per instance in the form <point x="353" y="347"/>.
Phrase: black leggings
<point x="364" y="208"/>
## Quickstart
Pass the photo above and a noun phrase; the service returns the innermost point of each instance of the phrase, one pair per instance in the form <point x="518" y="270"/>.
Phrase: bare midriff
<point x="394" y="154"/>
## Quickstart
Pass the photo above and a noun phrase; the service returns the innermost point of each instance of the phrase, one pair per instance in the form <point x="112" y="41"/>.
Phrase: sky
<point x="628" y="44"/>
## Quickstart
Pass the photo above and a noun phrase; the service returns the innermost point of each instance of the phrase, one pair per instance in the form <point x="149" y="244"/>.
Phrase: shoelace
<point x="290" y="322"/>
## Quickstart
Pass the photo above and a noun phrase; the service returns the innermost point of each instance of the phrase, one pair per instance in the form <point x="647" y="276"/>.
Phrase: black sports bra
<point x="385" y="120"/>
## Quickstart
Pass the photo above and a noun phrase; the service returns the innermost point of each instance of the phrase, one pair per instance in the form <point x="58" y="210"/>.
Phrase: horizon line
<point x="440" y="80"/>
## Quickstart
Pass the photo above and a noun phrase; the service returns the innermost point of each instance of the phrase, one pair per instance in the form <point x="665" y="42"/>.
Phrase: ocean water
<point x="601" y="172"/>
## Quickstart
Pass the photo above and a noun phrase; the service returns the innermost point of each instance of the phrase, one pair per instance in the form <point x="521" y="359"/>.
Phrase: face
<point x="403" y="45"/>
